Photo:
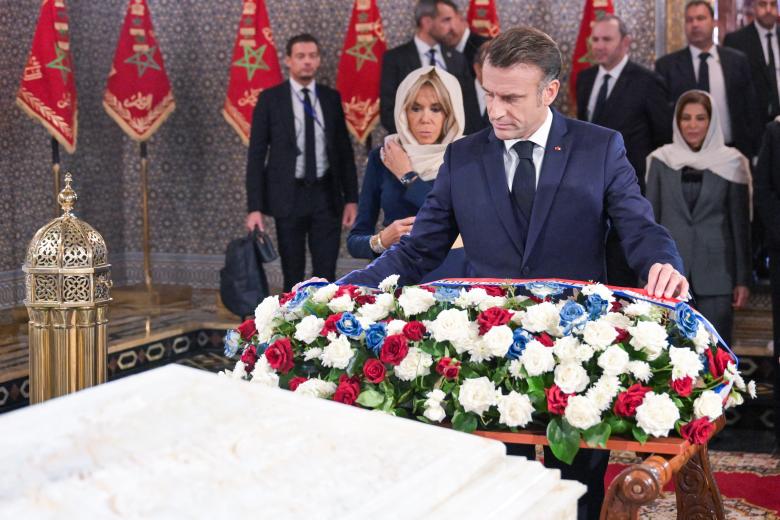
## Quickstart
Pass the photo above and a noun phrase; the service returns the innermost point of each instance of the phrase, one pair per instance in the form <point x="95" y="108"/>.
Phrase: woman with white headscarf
<point x="700" y="191"/>
<point x="429" y="116"/>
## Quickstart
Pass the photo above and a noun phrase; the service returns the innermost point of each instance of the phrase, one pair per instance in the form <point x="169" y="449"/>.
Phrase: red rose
<point x="698" y="431"/>
<point x="628" y="401"/>
<point x="491" y="290"/>
<point x="449" y="368"/>
<point x="295" y="382"/>
<point x="535" y="299"/>
<point x="545" y="339"/>
<point x="683" y="386"/>
<point x="330" y="324"/>
<point x="556" y="400"/>
<point x="280" y="355"/>
<point x="616" y="306"/>
<point x="247" y="329"/>
<point x="492" y="317"/>
<point x="622" y="336"/>
<point x="374" y="370"/>
<point x="352" y="290"/>
<point x="249" y="357"/>
<point x="394" y="349"/>
<point x="718" y="362"/>
<point x="363" y="299"/>
<point x="428" y="288"/>
<point x="414" y="331"/>
<point x="286" y="297"/>
<point x="348" y="390"/>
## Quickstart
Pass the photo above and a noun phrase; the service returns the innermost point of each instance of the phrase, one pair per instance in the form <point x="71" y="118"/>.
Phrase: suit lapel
<point x="757" y="49"/>
<point x="556" y="155"/>
<point x="588" y="78"/>
<point x="495" y="177"/>
<point x="677" y="176"/>
<point x="412" y="56"/>
<point x="326" y="113"/>
<point x="285" y="105"/>
<point x="618" y="91"/>
<point x="685" y="68"/>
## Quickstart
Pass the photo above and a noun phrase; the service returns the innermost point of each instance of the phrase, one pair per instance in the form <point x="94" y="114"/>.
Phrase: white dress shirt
<point x="539" y="138"/>
<point x="480" y="96"/>
<point x="775" y="49"/>
<point x="461" y="46"/>
<point x="717" y="87"/>
<point x="422" y="50"/>
<point x="614" y="74"/>
<point x="300" y="130"/>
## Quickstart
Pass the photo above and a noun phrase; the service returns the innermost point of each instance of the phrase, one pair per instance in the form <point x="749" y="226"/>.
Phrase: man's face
<point x="765" y="12"/>
<point x="607" y="46"/>
<point x="515" y="105"/>
<point x="303" y="61"/>
<point x="699" y="26"/>
<point x="445" y="28"/>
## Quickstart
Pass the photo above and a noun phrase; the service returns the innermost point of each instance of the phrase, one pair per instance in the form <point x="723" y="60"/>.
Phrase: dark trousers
<point x="774" y="278"/>
<point x="588" y="467"/>
<point x="313" y="218"/>
<point x="718" y="310"/>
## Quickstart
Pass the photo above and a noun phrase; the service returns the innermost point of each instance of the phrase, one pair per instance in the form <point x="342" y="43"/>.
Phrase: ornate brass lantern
<point x="68" y="282"/>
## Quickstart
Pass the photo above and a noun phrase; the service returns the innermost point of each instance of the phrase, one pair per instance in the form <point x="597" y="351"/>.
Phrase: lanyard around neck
<point x="311" y="111"/>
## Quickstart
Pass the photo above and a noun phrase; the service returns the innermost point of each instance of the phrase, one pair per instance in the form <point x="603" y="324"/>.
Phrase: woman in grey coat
<point x="699" y="189"/>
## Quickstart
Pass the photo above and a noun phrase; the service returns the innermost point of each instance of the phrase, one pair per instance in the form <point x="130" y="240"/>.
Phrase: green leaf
<point x="370" y="398"/>
<point x="597" y="435"/>
<point x="535" y="384"/>
<point x="564" y="439"/>
<point x="464" y="421"/>
<point x="639" y="434"/>
<point x="618" y="424"/>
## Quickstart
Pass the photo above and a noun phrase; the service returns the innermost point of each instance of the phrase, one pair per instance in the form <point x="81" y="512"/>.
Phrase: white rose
<point x="478" y="395"/>
<point x="434" y="411"/>
<point x="415" y="300"/>
<point x="614" y="361"/>
<point x="537" y="359"/>
<point x="238" y="372"/>
<point x="640" y="370"/>
<point x="599" y="289"/>
<point x="338" y="353"/>
<point x="708" y="404"/>
<point x="316" y="388"/>
<point x="751" y="388"/>
<point x="581" y="412"/>
<point x="491" y="301"/>
<point x="416" y="363"/>
<point x="395" y="327"/>
<point x="685" y="363"/>
<point x="599" y="334"/>
<point x="389" y="284"/>
<point x="604" y="392"/>
<point x="453" y="325"/>
<point x="498" y="340"/>
<point x="264" y="317"/>
<point x="571" y="377"/>
<point x="569" y="348"/>
<point x="702" y="340"/>
<point x="649" y="337"/>
<point x="343" y="303"/>
<point x="515" y="409"/>
<point x="379" y="309"/>
<point x="435" y="396"/>
<point x="470" y="298"/>
<point x="638" y="309"/>
<point x="542" y="317"/>
<point x="324" y="294"/>
<point x="515" y="369"/>
<point x="312" y="353"/>
<point x="517" y="318"/>
<point x="618" y="320"/>
<point x="479" y="351"/>
<point x="734" y="399"/>
<point x="264" y="374"/>
<point x="657" y="414"/>
<point x="309" y="328"/>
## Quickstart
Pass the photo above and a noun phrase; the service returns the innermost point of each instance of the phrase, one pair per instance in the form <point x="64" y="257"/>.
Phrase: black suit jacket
<point x="270" y="172"/>
<point x="766" y="185"/>
<point x="677" y="70"/>
<point x="637" y="107"/>
<point x="473" y="43"/>
<point x="400" y="61"/>
<point x="748" y="41"/>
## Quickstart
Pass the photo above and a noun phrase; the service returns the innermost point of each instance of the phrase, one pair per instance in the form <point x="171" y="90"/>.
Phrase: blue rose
<point x="596" y="306"/>
<point x="375" y="337"/>
<point x="349" y="326"/>
<point x="572" y="316"/>
<point x="521" y="339"/>
<point x="446" y="294"/>
<point x="544" y="289"/>
<point x="231" y="343"/>
<point x="686" y="320"/>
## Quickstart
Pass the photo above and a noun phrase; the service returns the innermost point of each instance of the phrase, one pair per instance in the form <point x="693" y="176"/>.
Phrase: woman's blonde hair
<point x="434" y="81"/>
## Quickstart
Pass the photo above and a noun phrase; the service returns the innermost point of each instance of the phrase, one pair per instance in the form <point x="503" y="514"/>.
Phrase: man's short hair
<point x="479" y="57"/>
<point x="428" y="8"/>
<point x="300" y="38"/>
<point x="705" y="3"/>
<point x="528" y="46"/>
<point x="621" y="24"/>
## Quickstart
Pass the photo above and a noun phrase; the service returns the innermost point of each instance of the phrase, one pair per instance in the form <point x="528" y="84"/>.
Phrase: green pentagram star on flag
<point x="60" y="63"/>
<point x="142" y="64"/>
<point x="362" y="51"/>
<point x="252" y="60"/>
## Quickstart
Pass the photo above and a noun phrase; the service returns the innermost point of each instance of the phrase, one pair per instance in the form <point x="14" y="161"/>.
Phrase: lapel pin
<point x="557" y="148"/>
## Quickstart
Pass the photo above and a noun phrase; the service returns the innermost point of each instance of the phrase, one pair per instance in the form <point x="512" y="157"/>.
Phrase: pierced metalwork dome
<point x="67" y="260"/>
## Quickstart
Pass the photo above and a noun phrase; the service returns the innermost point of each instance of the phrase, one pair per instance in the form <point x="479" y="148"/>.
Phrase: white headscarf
<point x="426" y="158"/>
<point x="714" y="155"/>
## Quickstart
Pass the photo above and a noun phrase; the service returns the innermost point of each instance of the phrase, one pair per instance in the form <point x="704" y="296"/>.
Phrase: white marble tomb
<point x="177" y="442"/>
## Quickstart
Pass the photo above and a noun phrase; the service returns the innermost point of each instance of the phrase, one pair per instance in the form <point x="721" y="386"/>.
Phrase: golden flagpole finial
<point x="67" y="197"/>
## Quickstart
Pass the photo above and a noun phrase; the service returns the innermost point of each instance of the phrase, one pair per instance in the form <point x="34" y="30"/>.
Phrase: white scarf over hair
<point x="724" y="161"/>
<point x="426" y="158"/>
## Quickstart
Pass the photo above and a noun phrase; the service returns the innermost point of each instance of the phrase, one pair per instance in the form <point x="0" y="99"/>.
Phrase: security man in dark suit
<point x="721" y="71"/>
<point x="301" y="168"/>
<point x="457" y="34"/>
<point x="433" y="19"/>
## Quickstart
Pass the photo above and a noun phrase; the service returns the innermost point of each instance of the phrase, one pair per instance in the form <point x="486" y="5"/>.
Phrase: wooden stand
<point x="640" y="484"/>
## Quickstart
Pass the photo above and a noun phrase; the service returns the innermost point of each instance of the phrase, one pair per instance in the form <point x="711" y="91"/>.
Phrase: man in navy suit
<point x="531" y="197"/>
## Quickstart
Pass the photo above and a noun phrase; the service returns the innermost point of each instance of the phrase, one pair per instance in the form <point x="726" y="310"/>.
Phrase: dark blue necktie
<point x="704" y="72"/>
<point x="524" y="182"/>
<point x="432" y="57"/>
<point x="601" y="100"/>
<point x="309" y="156"/>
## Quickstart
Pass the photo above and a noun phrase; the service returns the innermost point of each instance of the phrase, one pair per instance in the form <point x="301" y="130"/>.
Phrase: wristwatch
<point x="408" y="178"/>
<point x="375" y="242"/>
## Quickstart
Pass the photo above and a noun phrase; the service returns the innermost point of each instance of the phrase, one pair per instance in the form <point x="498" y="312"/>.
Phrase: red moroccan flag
<point x="253" y="69"/>
<point x="483" y="18"/>
<point x="360" y="68"/>
<point x="48" y="89"/>
<point x="581" y="60"/>
<point x="138" y="94"/>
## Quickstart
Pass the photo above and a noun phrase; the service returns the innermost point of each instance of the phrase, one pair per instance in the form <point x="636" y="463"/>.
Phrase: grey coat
<point x="714" y="239"/>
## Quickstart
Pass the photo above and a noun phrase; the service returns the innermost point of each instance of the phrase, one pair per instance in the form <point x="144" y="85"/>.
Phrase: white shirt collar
<point x="616" y="70"/>
<point x="423" y="48"/>
<point x="297" y="87"/>
<point x="763" y="32"/>
<point x="539" y="137"/>
<point x="463" y="39"/>
<point x="695" y="51"/>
